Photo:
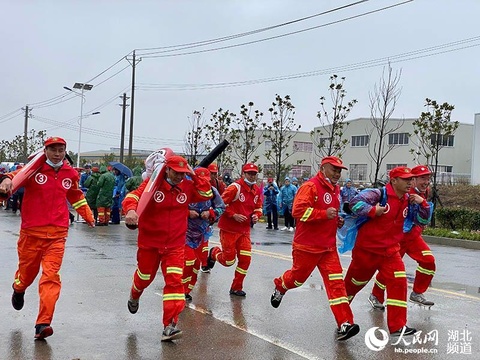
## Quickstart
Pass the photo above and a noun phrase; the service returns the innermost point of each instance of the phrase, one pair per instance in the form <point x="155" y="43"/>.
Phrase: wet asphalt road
<point x="92" y="321"/>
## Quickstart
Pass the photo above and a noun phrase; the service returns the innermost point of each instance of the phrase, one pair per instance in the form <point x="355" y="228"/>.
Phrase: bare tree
<point x="195" y="138"/>
<point x="247" y="133"/>
<point x="219" y="128"/>
<point x="14" y="150"/>
<point x="279" y="134"/>
<point x="434" y="130"/>
<point x="328" y="139"/>
<point x="383" y="101"/>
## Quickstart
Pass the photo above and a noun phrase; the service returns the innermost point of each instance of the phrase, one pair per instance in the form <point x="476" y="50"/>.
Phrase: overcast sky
<point x="47" y="45"/>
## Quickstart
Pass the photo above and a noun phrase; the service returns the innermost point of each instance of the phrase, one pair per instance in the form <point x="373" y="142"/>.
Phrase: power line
<point x="412" y="55"/>
<point x="151" y="55"/>
<point x="252" y="32"/>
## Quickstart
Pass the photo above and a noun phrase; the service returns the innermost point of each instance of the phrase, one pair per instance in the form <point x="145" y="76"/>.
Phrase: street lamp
<point x="83" y="87"/>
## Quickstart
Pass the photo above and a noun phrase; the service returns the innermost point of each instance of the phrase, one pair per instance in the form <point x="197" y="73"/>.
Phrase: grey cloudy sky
<point x="51" y="44"/>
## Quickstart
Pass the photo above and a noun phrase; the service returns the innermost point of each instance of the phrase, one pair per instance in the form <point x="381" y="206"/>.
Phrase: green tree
<point x="106" y="159"/>
<point x="279" y="134"/>
<point x="247" y="133"/>
<point x="14" y="150"/>
<point x="383" y="101"/>
<point x="219" y="128"/>
<point x="328" y="139"/>
<point x="133" y="162"/>
<point x="196" y="142"/>
<point x="434" y="130"/>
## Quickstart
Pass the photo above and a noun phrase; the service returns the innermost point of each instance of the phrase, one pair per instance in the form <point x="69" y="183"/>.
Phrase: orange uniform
<point x="44" y="229"/>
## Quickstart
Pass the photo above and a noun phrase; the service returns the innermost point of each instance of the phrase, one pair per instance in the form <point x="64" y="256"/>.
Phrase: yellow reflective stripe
<point x="427" y="253"/>
<point x="189" y="262"/>
<point x="79" y="203"/>
<point x="335" y="276"/>
<point x="350" y="298"/>
<point x="258" y="210"/>
<point x="297" y="283"/>
<point x="190" y="287"/>
<point x="425" y="271"/>
<point x="230" y="262"/>
<point x="380" y="285"/>
<point x="306" y="214"/>
<point x="205" y="249"/>
<point x="337" y="301"/>
<point x="400" y="274"/>
<point x="17" y="281"/>
<point x="174" y="270"/>
<point x="359" y="283"/>
<point x="207" y="194"/>
<point x="241" y="271"/>
<point x="186" y="280"/>
<point x="195" y="271"/>
<point x="245" y="253"/>
<point x="399" y="303"/>
<point x="101" y="213"/>
<point x="174" y="296"/>
<point x="130" y="195"/>
<point x="145" y="277"/>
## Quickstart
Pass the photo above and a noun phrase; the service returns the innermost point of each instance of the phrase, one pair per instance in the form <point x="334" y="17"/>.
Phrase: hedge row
<point x="457" y="219"/>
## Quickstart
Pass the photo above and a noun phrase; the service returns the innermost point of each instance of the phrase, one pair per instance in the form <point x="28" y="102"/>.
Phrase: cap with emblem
<point x="401" y="172"/>
<point x="55" y="140"/>
<point x="178" y="163"/>
<point x="421" y="170"/>
<point x="250" y="167"/>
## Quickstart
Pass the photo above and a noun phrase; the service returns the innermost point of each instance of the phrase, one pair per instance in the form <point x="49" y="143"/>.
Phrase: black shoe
<point x="210" y="260"/>
<point x="205" y="269"/>
<point x="347" y="330"/>
<point x="171" y="332"/>
<point x="188" y="297"/>
<point x="269" y="228"/>
<point x="42" y="331"/>
<point x="18" y="299"/>
<point x="132" y="305"/>
<point x="275" y="228"/>
<point x="238" y="293"/>
<point x="276" y="298"/>
<point x="404" y="331"/>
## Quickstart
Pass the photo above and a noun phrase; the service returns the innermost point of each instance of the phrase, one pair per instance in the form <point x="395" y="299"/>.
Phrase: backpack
<point x="347" y="234"/>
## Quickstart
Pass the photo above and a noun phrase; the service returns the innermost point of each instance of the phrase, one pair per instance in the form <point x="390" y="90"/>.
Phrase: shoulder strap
<point x="383" y="196"/>
<point x="237" y="185"/>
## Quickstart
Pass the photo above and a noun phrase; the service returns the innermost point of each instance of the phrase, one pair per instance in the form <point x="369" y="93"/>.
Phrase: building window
<point x="361" y="140"/>
<point x="398" y="139"/>
<point x="268" y="170"/>
<point x="391" y="166"/>
<point x="443" y="140"/>
<point x="300" y="171"/>
<point x="444" y="168"/>
<point x="323" y="142"/>
<point x="268" y="145"/>
<point x="358" y="172"/>
<point x="302" y="146"/>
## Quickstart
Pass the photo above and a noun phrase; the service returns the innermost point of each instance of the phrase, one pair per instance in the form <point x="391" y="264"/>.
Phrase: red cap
<point x="202" y="172"/>
<point x="178" y="163"/>
<point x="335" y="161"/>
<point x="95" y="169"/>
<point x="270" y="180"/>
<point x="421" y="170"/>
<point x="250" y="167"/>
<point x="213" y="168"/>
<point x="401" y="172"/>
<point x="55" y="140"/>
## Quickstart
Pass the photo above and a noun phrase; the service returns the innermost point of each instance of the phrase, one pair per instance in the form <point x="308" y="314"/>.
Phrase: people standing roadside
<point x="270" y="193"/>
<point x="347" y="193"/>
<point x="378" y="244"/>
<point x="91" y="184"/>
<point x="243" y="205"/>
<point x="106" y="184"/>
<point x="316" y="208"/>
<point x="44" y="229"/>
<point x="162" y="230"/>
<point x="414" y="246"/>
<point x="287" y="194"/>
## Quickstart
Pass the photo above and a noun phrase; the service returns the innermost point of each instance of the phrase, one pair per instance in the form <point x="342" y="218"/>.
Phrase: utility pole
<point x="133" y="62"/>
<point x="25" y="135"/>
<point x="122" y="139"/>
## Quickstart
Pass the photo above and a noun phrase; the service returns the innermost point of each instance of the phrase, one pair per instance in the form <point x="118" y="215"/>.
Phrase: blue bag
<point x="347" y="234"/>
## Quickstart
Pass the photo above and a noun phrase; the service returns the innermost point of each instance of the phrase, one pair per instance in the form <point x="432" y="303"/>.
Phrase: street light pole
<point x="83" y="87"/>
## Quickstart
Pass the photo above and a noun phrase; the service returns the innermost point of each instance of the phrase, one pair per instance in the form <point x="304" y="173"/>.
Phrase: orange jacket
<point x="46" y="194"/>
<point x="313" y="228"/>
<point x="240" y="198"/>
<point x="163" y="224"/>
